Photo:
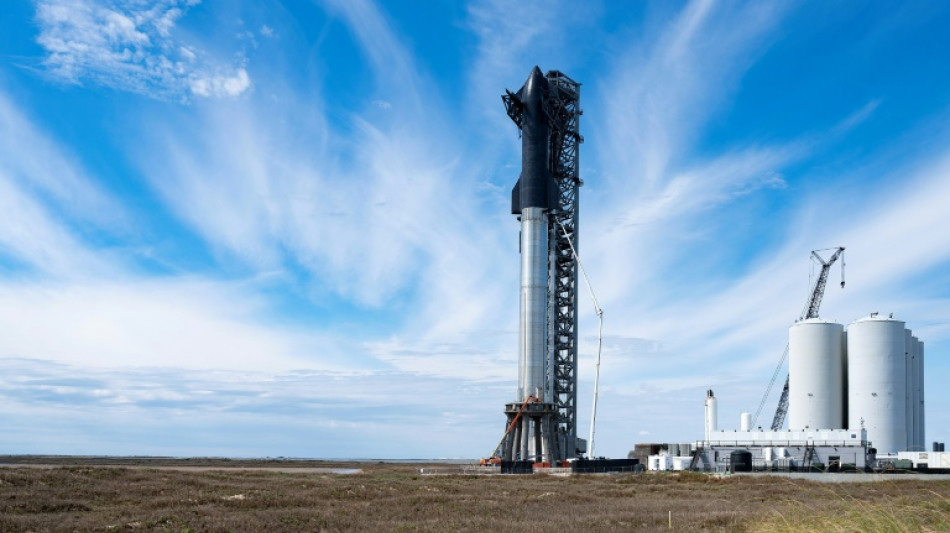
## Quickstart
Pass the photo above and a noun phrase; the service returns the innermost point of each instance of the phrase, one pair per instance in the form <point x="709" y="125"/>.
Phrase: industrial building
<point x="855" y="401"/>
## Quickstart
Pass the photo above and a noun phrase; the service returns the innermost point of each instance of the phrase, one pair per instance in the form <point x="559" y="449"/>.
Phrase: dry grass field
<point x="394" y="497"/>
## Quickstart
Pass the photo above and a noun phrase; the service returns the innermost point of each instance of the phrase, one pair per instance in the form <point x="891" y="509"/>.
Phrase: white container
<point x="817" y="374"/>
<point x="681" y="463"/>
<point x="877" y="382"/>
<point x="660" y="462"/>
<point x="745" y="421"/>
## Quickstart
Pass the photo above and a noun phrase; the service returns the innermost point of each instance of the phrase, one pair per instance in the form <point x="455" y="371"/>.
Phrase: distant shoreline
<point x="205" y="462"/>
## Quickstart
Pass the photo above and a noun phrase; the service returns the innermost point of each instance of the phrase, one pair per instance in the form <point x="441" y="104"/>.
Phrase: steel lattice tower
<point x="565" y="139"/>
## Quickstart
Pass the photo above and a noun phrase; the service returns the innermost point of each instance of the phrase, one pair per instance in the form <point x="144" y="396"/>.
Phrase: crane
<point x="810" y="311"/>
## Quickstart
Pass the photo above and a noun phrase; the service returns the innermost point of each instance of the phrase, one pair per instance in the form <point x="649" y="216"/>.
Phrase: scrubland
<point x="394" y="497"/>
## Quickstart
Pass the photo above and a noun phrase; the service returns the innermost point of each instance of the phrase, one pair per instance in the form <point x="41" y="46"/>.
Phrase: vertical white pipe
<point x="712" y="416"/>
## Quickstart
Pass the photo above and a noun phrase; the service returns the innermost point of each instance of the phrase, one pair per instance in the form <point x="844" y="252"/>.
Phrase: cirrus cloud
<point x="131" y="46"/>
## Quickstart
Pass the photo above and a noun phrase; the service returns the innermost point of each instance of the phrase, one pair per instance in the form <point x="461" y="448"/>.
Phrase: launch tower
<point x="542" y="423"/>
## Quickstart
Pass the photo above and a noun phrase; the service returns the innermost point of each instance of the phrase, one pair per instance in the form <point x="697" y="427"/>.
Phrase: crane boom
<point x="810" y="311"/>
<point x="818" y="292"/>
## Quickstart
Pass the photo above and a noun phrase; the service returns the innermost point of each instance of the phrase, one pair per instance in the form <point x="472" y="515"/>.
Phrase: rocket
<point x="535" y="186"/>
<point x="541" y="424"/>
<point x="532" y="197"/>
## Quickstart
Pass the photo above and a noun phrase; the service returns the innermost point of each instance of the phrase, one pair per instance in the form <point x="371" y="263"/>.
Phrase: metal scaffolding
<point x="564" y="113"/>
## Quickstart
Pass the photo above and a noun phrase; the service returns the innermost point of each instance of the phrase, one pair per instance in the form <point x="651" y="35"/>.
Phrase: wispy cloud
<point x="510" y="39"/>
<point x="390" y="210"/>
<point x="305" y="413"/>
<point x="673" y="81"/>
<point x="37" y="162"/>
<point x="132" y="46"/>
<point x="199" y="324"/>
<point x="45" y="195"/>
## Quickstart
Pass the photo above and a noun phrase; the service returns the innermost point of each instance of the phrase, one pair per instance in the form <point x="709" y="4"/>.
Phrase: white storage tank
<point x="817" y="372"/>
<point x="921" y="422"/>
<point x="910" y="411"/>
<point x="877" y="384"/>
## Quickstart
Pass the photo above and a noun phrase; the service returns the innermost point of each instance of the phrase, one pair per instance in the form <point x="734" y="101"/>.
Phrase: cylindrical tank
<point x="741" y="460"/>
<point x="844" y="390"/>
<point x="712" y="415"/>
<point x="877" y="381"/>
<point x="745" y="421"/>
<point x="816" y="369"/>
<point x="921" y="421"/>
<point x="909" y="390"/>
<point x="914" y="438"/>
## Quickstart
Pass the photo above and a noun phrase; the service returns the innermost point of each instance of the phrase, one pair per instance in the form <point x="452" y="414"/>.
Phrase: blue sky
<point x="282" y="229"/>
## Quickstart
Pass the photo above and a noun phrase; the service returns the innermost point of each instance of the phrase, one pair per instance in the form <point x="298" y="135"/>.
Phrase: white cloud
<point x="370" y="215"/>
<point x="674" y="80"/>
<point x="512" y="37"/>
<point x="178" y="323"/>
<point x="130" y="45"/>
<point x="43" y="188"/>
<point x="32" y="236"/>
<point x="310" y="413"/>
<point x="217" y="86"/>
<point x="36" y="161"/>
<point x="389" y="59"/>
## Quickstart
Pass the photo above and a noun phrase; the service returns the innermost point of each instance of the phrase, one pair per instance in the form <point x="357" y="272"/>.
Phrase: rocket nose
<point x="536" y="81"/>
<point x="536" y="76"/>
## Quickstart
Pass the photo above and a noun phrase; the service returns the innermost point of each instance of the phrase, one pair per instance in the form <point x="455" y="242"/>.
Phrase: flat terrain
<point x="95" y="494"/>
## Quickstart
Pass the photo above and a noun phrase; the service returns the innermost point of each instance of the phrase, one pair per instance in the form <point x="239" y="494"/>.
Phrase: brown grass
<point x="395" y="498"/>
<point x="926" y="511"/>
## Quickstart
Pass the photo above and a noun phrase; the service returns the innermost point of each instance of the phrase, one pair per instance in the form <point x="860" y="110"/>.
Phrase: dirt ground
<point x="250" y="496"/>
